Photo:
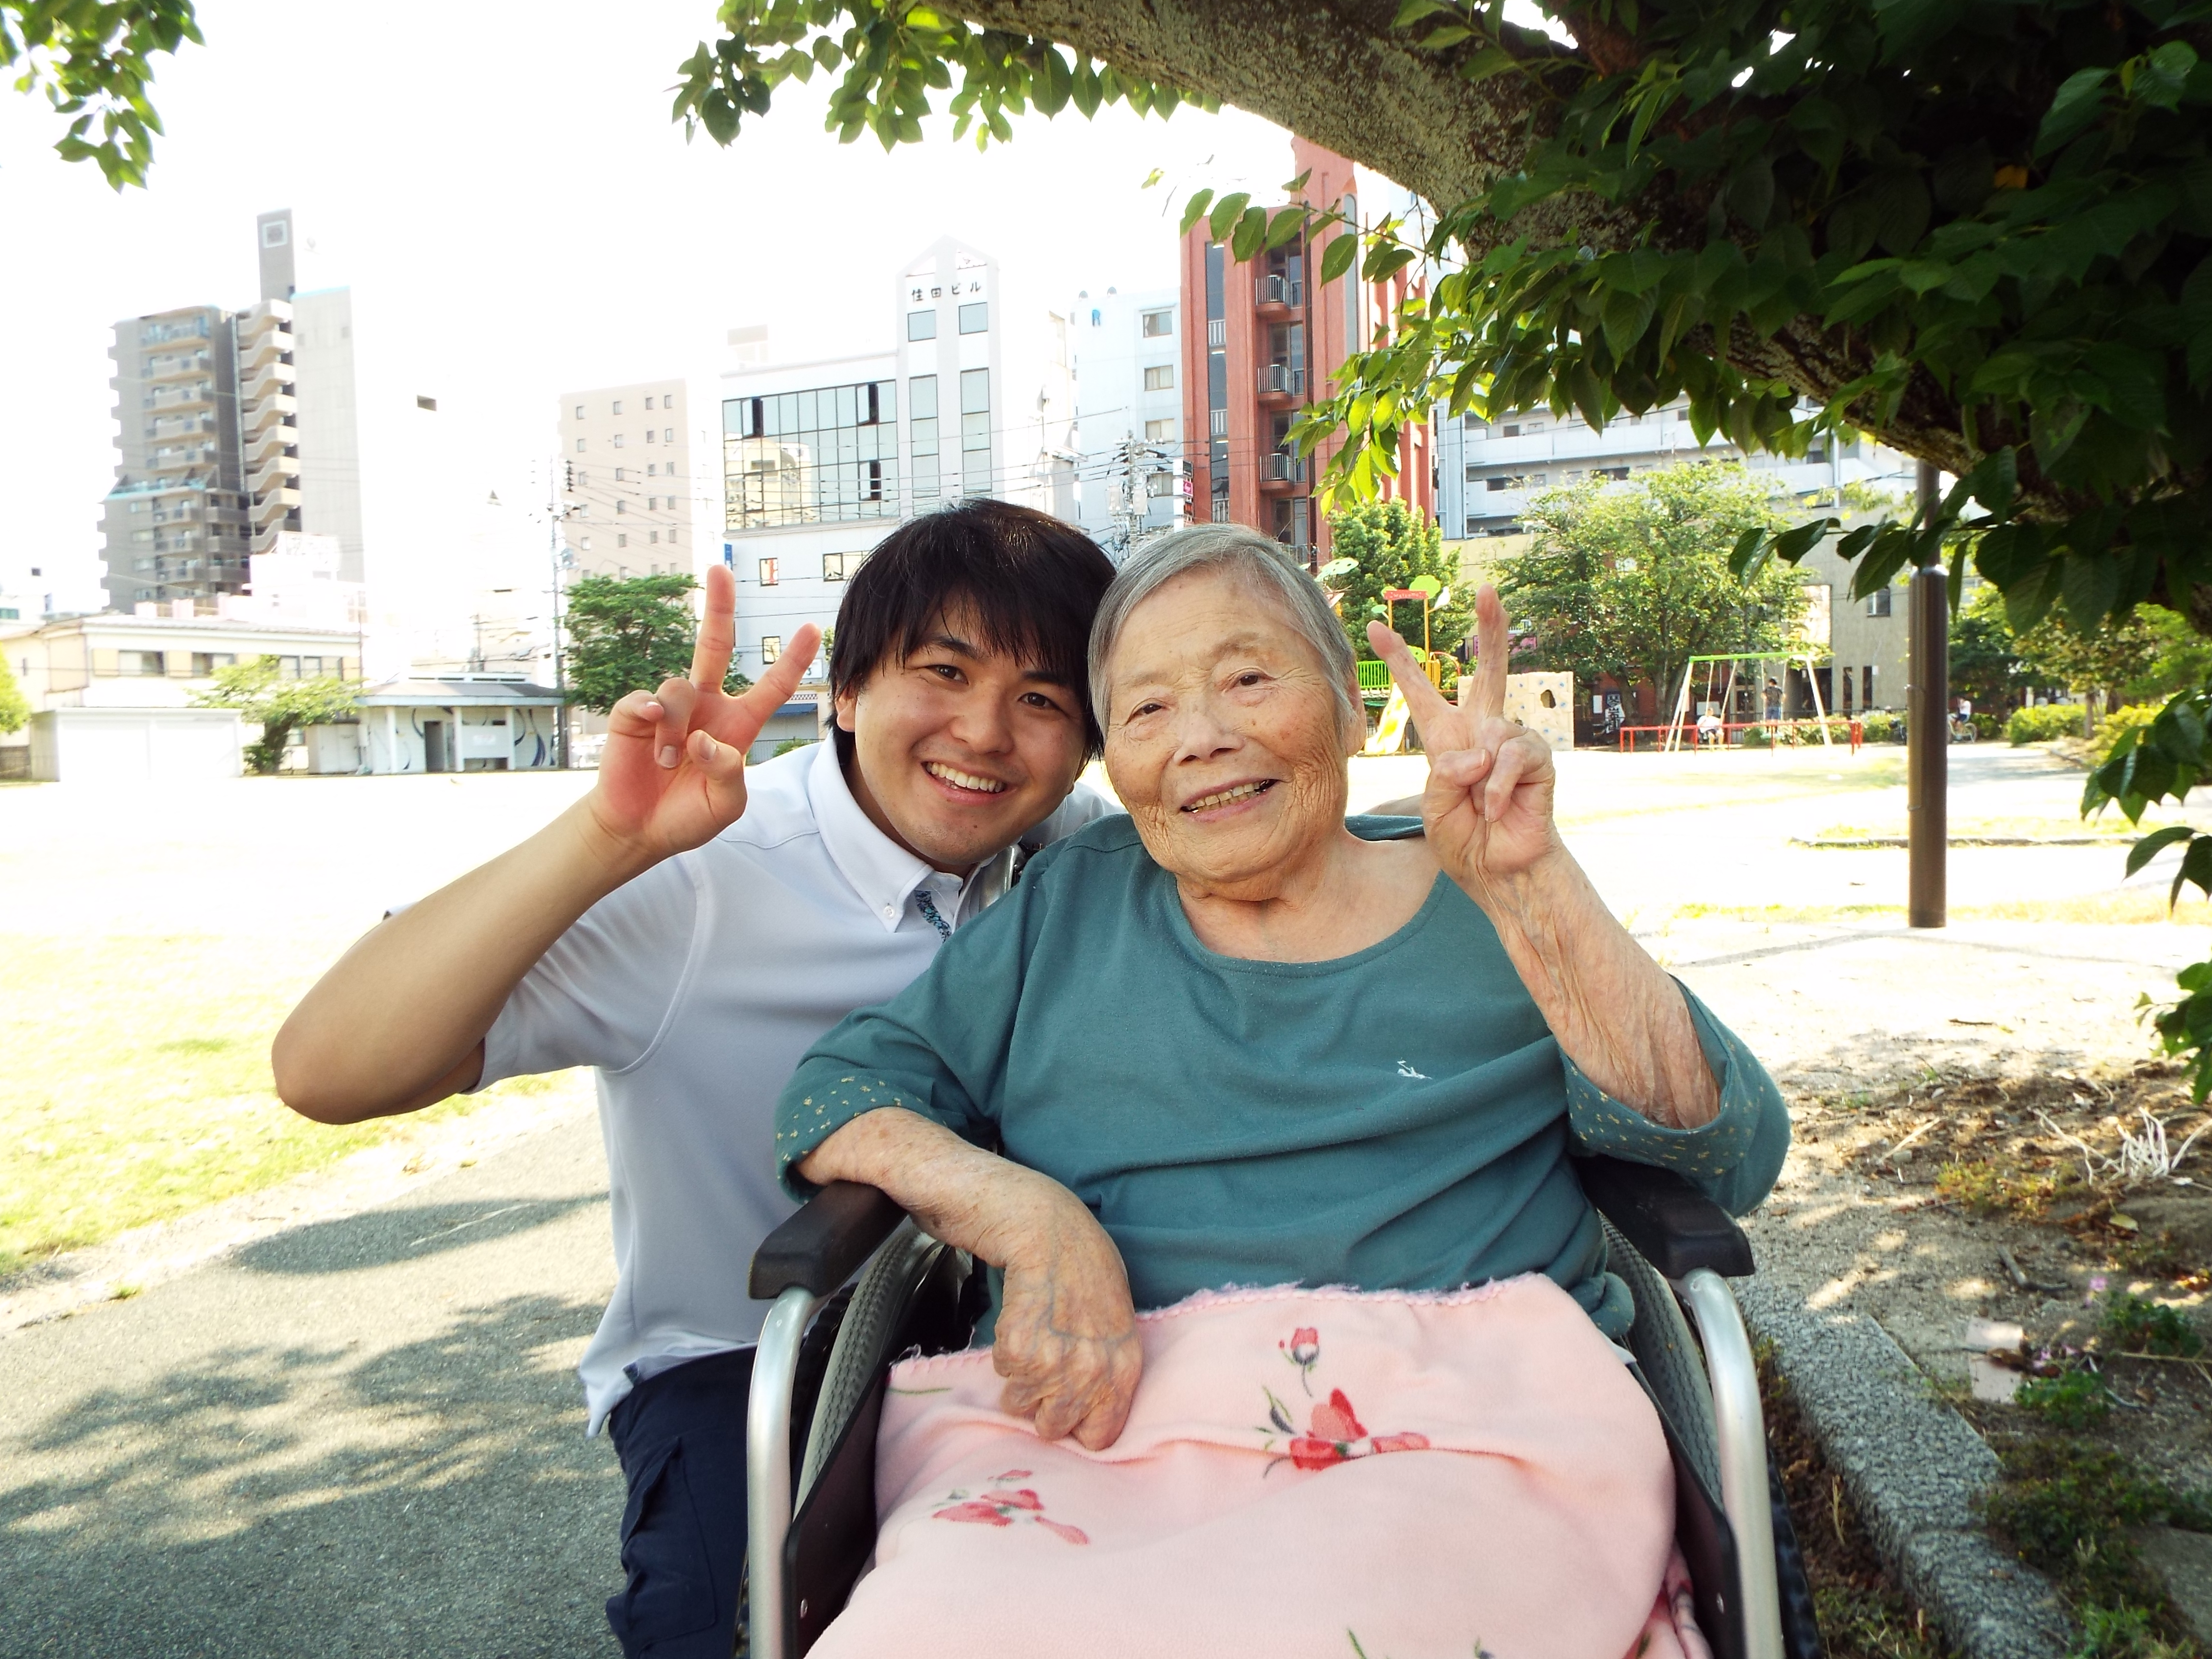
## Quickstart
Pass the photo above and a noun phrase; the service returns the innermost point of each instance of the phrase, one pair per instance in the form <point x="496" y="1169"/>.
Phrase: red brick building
<point x="1273" y="341"/>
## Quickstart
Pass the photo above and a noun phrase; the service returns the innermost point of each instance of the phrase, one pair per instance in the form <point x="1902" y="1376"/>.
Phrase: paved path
<point x="361" y="1437"/>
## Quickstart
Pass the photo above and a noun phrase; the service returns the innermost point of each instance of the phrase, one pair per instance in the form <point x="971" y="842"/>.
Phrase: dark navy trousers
<point x="681" y="1437"/>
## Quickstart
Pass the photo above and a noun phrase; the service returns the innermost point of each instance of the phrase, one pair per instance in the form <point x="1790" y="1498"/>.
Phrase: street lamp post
<point x="1928" y="730"/>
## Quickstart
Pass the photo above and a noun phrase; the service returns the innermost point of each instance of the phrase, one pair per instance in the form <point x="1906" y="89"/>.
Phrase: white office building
<point x="822" y="459"/>
<point x="1125" y="351"/>
<point x="641" y="477"/>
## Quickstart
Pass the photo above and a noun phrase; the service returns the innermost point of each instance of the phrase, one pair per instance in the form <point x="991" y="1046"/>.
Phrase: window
<point x="768" y="577"/>
<point x="1877" y="602"/>
<point x="1616" y="473"/>
<point x="621" y="508"/>
<point x="618" y="438"/>
<point x="836" y="566"/>
<point x="204" y="663"/>
<point x="671" y="536"/>
<point x="622" y="540"/>
<point x="1159" y="484"/>
<point x="1866" y="686"/>
<point x="652" y="469"/>
<point x="974" y="431"/>
<point x="1095" y="318"/>
<point x="617" y="406"/>
<point x="771" y="648"/>
<point x="668" y="400"/>
<point x="274" y="232"/>
<point x="974" y="318"/>
<point x="922" y="324"/>
<point x="648" y="435"/>
<point x="668" y="435"/>
<point x="1160" y="377"/>
<point x="922" y="391"/>
<point x="584" y="543"/>
<point x="824" y="456"/>
<point x="580" y="445"/>
<point x="580" y="411"/>
<point x="140" y="662"/>
<point x="655" y="538"/>
<point x="1496" y="483"/>
<point x="1159" y="432"/>
<point x="1158" y="324"/>
<point x="430" y="404"/>
<point x="649" y="403"/>
<point x="622" y="475"/>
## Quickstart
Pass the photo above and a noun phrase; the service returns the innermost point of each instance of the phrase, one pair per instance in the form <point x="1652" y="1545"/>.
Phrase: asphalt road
<point x="361" y="1437"/>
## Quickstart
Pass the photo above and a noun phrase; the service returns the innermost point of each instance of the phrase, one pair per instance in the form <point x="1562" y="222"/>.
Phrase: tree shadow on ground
<point x="436" y="1497"/>
<point x="377" y="1238"/>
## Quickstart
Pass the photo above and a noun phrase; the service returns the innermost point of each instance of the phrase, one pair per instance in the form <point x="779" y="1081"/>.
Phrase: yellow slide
<point x="1390" y="731"/>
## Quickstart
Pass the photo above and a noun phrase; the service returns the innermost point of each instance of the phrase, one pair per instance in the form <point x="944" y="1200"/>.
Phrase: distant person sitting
<point x="1710" y="728"/>
<point x="689" y="927"/>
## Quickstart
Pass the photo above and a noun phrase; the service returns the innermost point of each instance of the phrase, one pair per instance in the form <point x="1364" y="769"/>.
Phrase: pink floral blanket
<point x="1305" y="1473"/>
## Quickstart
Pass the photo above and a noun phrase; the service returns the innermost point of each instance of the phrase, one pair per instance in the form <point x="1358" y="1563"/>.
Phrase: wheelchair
<point x="827" y="1348"/>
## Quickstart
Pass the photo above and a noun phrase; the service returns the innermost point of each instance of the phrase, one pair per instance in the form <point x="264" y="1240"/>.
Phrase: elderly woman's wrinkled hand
<point x="1067" y="1340"/>
<point x="1488" y="806"/>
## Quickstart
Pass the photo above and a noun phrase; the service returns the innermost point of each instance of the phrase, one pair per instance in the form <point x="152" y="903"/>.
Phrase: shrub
<point x="2040" y="725"/>
<point x="1882" y="727"/>
<point x="790" y="744"/>
<point x="2128" y="717"/>
<point x="2072" y="1400"/>
<point x="2140" y="1326"/>
<point x="1987" y="726"/>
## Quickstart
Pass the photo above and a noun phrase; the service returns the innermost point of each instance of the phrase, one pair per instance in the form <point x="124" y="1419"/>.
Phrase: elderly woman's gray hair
<point x="1234" y="549"/>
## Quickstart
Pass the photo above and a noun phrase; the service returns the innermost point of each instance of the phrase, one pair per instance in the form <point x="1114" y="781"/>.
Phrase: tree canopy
<point x="1980" y="229"/>
<point x="94" y="61"/>
<point x="1632" y="581"/>
<point x="629" y="633"/>
<point x="257" y="691"/>
<point x="14" y="707"/>
<point x="1392" y="545"/>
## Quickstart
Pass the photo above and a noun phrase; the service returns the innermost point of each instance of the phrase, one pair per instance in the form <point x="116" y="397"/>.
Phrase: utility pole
<point x="1928" y="729"/>
<point x="1133" y="459"/>
<point x="563" y="474"/>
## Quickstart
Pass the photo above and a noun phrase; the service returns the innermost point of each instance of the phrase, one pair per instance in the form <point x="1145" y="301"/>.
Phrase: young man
<point x="690" y="927"/>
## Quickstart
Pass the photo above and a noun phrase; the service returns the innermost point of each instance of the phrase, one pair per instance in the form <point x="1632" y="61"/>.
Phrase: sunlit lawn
<point x="138" y="1083"/>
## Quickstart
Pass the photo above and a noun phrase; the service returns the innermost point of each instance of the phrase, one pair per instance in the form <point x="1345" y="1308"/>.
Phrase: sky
<point x="515" y="169"/>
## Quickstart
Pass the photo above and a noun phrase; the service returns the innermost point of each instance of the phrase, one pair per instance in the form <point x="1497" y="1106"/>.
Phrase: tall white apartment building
<point x="822" y="459"/>
<point x="1125" y="351"/>
<point x="641" y="477"/>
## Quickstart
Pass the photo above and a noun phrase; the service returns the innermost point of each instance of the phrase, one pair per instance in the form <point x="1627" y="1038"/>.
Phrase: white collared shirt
<point x="695" y="989"/>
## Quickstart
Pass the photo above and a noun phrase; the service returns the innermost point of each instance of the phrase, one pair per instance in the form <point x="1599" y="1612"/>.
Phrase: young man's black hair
<point x="1028" y="583"/>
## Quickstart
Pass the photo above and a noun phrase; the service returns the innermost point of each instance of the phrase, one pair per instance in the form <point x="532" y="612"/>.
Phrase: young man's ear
<point x="846" y="703"/>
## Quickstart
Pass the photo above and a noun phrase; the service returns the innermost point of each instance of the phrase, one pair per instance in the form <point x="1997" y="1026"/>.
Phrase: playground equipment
<point x="1764" y="662"/>
<point x="1390" y="731"/>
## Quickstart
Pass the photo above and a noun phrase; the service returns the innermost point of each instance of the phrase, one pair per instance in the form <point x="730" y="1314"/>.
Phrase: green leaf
<point x="1336" y="259"/>
<point x="2079" y="100"/>
<point x="1225" y="213"/>
<point x="2154" y="843"/>
<point x="1490" y="62"/>
<point x="1413" y="11"/>
<point x="1450" y="35"/>
<point x="1251" y="231"/>
<point x="1194" y="210"/>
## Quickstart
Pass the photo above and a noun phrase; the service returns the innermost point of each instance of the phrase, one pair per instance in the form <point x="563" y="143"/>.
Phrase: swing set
<point x="1764" y="663"/>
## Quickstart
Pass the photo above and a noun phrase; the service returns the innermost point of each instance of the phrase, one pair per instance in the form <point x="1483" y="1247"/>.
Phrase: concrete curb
<point x="1913" y="1468"/>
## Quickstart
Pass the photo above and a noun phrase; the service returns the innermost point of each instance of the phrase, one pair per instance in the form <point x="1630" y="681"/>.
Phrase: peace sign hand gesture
<point x="672" y="776"/>
<point x="1488" y="805"/>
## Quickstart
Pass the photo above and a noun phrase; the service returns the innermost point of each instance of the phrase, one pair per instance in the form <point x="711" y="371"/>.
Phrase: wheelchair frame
<point x="1675" y="1248"/>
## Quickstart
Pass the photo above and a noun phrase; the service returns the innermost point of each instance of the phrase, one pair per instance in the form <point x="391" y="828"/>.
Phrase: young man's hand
<point x="672" y="776"/>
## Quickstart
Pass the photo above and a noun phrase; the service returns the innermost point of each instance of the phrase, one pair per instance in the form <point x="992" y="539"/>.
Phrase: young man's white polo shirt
<point x="695" y="989"/>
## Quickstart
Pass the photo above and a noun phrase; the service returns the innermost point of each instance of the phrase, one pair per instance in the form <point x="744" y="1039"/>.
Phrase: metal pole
<point x="554" y="515"/>
<point x="1928" y="731"/>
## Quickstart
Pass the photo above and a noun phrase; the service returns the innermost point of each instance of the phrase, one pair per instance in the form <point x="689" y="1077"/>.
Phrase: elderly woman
<point x="1237" y="1039"/>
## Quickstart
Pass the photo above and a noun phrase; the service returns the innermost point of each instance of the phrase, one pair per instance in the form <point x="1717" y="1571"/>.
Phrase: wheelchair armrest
<point x="824" y="1245"/>
<point x="1673" y="1225"/>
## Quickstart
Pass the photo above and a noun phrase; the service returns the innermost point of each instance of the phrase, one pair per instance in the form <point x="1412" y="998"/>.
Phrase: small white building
<point x="469" y="723"/>
<point x="1125" y="354"/>
<point x="135" y="745"/>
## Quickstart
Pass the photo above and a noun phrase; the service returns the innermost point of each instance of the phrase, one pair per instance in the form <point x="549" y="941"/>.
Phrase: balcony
<point x="272" y="379"/>
<point x="1280" y="472"/>
<point x="1281" y="383"/>
<point x="273" y="505"/>
<point x="183" y="398"/>
<point x="194" y="329"/>
<point x="269" y="412"/>
<point x="278" y="472"/>
<point x="270" y="345"/>
<point x="1278" y="293"/>
<point x="178" y="457"/>
<point x="271" y="438"/>
<point x="177" y="365"/>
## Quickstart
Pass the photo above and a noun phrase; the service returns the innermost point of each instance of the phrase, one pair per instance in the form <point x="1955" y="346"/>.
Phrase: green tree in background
<point x="1633" y="581"/>
<point x="629" y="633"/>
<point x="93" y="60"/>
<point x="1985" y="667"/>
<point x="15" y="708"/>
<point x="1393" y="545"/>
<point x="257" y="691"/>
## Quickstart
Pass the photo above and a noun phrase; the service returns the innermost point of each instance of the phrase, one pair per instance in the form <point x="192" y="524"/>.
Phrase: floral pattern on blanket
<point x="1001" y="1508"/>
<point x="1334" y="1433"/>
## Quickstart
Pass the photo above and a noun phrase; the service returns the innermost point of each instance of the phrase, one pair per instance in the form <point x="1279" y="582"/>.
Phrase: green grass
<point x="136" y="1083"/>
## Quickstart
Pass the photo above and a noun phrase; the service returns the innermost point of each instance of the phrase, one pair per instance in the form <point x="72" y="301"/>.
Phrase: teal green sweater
<point x="1397" y="1119"/>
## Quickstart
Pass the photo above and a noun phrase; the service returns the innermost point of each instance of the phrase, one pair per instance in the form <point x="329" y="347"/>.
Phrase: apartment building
<point x="174" y="526"/>
<point x="640" y="476"/>
<point x="1272" y="342"/>
<point x="1125" y="356"/>
<point x="822" y="459"/>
